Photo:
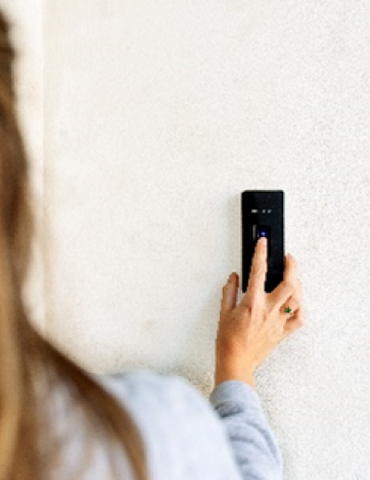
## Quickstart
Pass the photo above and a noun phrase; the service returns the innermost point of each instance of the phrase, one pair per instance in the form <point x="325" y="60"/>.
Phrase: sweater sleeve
<point x="252" y="440"/>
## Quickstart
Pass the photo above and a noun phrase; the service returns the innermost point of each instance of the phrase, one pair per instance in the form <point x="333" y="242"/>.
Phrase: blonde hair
<point x="27" y="360"/>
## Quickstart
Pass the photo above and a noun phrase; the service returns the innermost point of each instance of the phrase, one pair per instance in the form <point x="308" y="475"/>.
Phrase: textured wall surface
<point x="157" y="116"/>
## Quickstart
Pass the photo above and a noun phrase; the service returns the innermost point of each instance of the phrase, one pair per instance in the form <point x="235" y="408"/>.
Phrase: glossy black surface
<point x="263" y="215"/>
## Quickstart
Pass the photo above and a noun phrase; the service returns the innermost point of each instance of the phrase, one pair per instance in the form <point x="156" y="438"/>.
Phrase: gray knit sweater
<point x="187" y="437"/>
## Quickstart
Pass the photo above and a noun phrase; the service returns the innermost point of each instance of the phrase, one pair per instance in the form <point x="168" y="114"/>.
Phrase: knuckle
<point x="270" y="307"/>
<point x="299" y="324"/>
<point x="289" y="284"/>
<point x="258" y="266"/>
<point x="245" y="309"/>
<point x="257" y="270"/>
<point x="249" y="309"/>
<point x="300" y="319"/>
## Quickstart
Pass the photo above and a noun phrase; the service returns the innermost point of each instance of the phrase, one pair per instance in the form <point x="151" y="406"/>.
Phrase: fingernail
<point x="231" y="276"/>
<point x="263" y="240"/>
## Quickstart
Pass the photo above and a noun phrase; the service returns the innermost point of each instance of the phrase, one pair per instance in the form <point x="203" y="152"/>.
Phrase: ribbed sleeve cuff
<point x="235" y="391"/>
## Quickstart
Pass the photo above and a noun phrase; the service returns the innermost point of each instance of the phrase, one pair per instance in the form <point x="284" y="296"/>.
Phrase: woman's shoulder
<point x="149" y="388"/>
<point x="160" y="400"/>
<point x="180" y="429"/>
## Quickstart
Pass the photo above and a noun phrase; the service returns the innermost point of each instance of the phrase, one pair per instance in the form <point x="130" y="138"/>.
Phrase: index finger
<point x="257" y="277"/>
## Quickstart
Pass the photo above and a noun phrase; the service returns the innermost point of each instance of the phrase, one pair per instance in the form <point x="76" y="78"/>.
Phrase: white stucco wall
<point x="157" y="116"/>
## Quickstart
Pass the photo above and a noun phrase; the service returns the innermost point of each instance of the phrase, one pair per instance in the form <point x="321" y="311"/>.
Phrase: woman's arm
<point x="252" y="440"/>
<point x="247" y="333"/>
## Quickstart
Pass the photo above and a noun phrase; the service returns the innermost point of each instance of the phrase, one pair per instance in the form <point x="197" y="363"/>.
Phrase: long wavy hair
<point x="32" y="370"/>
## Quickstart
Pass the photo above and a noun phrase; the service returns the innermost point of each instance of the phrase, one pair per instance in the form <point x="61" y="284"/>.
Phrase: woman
<point x="57" y="421"/>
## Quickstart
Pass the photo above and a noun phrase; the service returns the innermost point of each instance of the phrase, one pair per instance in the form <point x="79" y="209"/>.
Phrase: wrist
<point x="225" y="375"/>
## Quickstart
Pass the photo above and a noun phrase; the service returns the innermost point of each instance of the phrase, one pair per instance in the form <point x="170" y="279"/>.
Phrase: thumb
<point x="230" y="293"/>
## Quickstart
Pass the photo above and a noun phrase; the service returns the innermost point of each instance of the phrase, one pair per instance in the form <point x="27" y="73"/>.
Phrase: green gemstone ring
<point x="288" y="310"/>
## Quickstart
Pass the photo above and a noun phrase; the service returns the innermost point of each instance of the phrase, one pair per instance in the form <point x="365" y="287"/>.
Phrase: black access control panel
<point x="263" y="215"/>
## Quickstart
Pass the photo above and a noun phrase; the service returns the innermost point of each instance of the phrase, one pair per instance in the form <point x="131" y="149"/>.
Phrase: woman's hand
<point x="247" y="333"/>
